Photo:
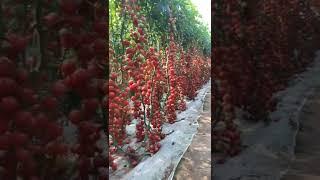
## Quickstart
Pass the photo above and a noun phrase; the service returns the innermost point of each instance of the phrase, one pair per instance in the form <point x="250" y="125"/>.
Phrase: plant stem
<point x="40" y="32"/>
<point x="2" y="28"/>
<point x="124" y="15"/>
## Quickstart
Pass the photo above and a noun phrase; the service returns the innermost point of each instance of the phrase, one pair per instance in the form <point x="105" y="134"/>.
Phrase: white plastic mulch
<point x="163" y="164"/>
<point x="271" y="147"/>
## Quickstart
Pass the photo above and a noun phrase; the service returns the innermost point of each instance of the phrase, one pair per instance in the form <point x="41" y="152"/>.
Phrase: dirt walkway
<point x="307" y="163"/>
<point x="196" y="162"/>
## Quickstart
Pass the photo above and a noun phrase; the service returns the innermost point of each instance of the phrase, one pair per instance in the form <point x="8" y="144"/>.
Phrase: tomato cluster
<point x="255" y="49"/>
<point x="147" y="87"/>
<point x="53" y="83"/>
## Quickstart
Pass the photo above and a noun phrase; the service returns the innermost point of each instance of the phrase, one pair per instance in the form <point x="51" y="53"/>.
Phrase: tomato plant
<point x="53" y="75"/>
<point x="258" y="47"/>
<point x="148" y="83"/>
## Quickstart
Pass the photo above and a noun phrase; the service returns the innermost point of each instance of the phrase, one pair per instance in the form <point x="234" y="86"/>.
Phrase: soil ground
<point x="196" y="162"/>
<point x="306" y="165"/>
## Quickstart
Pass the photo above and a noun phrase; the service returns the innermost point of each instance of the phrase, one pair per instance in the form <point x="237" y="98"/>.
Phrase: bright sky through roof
<point x="204" y="8"/>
